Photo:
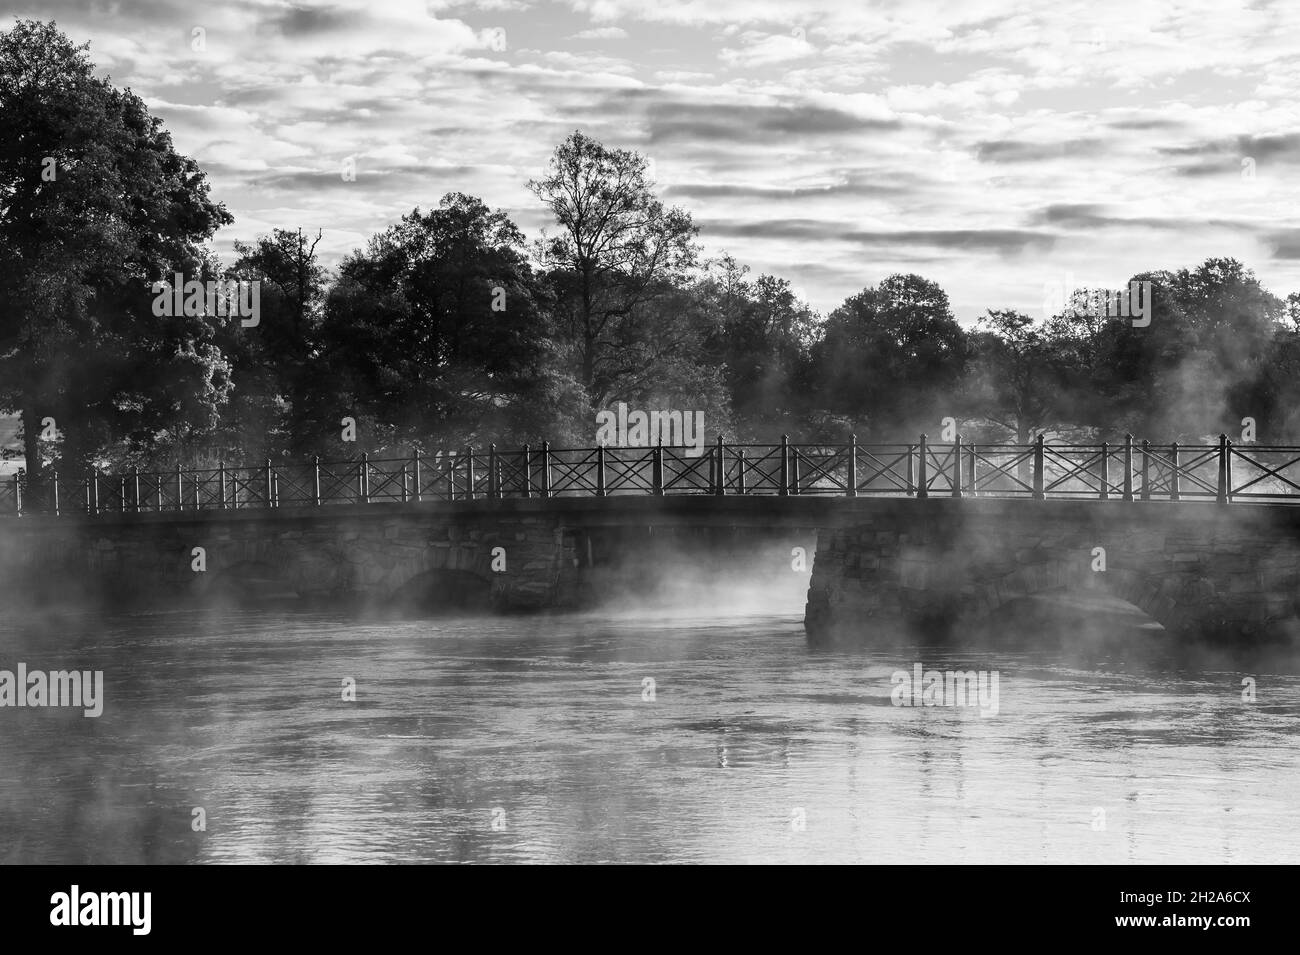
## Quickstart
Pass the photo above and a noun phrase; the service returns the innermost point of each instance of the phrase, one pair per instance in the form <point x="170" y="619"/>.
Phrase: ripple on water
<point x="517" y="739"/>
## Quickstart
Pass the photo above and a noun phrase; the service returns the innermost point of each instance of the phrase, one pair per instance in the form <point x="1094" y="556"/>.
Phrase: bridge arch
<point x="1045" y="577"/>
<point x="442" y="588"/>
<point x="247" y="580"/>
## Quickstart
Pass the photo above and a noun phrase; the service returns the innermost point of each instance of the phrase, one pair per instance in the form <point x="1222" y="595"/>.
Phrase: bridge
<point x="1203" y="538"/>
<point x="1129" y="470"/>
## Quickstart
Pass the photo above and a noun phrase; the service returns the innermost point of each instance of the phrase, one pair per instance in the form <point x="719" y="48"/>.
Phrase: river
<point x="227" y="738"/>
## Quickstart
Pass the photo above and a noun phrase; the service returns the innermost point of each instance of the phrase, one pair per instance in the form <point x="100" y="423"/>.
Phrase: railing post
<point x="851" y="488"/>
<point x="546" y="469"/>
<point x="1038" y="469"/>
<point x="600" y="471"/>
<point x="406" y="483"/>
<point x="450" y="462"/>
<point x="922" y="470"/>
<point x="1174" y="494"/>
<point x="1225" y="470"/>
<point x="270" y="485"/>
<point x="194" y="483"/>
<point x="221" y="490"/>
<point x="121" y="495"/>
<point x="18" y="495"/>
<point x="657" y="467"/>
<point x="794" y="470"/>
<point x="911" y="470"/>
<point x="494" y="477"/>
<point x="135" y="483"/>
<point x="87" y="493"/>
<point x="719" y="469"/>
<point x="1146" y="470"/>
<point x="971" y="484"/>
<point x="740" y="471"/>
<point x="956" y="466"/>
<point x="54" y="484"/>
<point x="180" y="488"/>
<point x="1128" y="467"/>
<point x="315" y="480"/>
<point x="415" y="467"/>
<point x="784" y="489"/>
<point x="362" y="467"/>
<point x="1105" y="471"/>
<point x="94" y="487"/>
<point x="528" y="470"/>
<point x="469" y="472"/>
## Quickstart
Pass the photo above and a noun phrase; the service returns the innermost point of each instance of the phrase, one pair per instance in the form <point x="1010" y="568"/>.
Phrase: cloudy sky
<point x="999" y="152"/>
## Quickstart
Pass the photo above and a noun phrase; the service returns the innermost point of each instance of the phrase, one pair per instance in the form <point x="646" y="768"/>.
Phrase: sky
<point x="1006" y="153"/>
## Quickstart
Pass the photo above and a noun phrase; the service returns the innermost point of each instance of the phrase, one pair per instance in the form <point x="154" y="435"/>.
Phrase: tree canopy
<point x="95" y="204"/>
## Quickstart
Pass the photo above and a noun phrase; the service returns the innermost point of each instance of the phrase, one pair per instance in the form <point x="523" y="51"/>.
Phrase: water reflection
<point x="501" y="740"/>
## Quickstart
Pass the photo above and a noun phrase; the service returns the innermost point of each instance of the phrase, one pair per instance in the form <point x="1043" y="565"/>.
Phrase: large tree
<point x="1196" y="367"/>
<point x="436" y="333"/>
<point x="95" y="205"/>
<point x="274" y="365"/>
<point x="891" y="358"/>
<point x="617" y="249"/>
<point x="1013" y="377"/>
<point x="761" y="334"/>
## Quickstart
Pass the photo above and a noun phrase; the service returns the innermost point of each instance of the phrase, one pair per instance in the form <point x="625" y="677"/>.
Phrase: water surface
<point x="533" y="740"/>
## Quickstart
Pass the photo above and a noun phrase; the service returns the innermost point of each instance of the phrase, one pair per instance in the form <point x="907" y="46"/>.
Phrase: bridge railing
<point x="1126" y="470"/>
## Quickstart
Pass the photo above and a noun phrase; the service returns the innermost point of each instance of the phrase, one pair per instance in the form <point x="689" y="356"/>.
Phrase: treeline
<point x="451" y="327"/>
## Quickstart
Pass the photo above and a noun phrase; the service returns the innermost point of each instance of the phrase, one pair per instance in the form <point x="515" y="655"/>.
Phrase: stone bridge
<point x="506" y="555"/>
<point x="1202" y="570"/>
<point x="859" y="567"/>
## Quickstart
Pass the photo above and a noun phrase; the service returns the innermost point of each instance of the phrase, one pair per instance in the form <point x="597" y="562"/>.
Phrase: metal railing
<point x="1128" y="471"/>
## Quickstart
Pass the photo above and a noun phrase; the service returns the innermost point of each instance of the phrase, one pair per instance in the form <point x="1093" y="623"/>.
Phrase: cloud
<point x="1013" y="151"/>
<point x="825" y="139"/>
<point x="762" y="49"/>
<point x="800" y="194"/>
<point x="1285" y="244"/>
<point x="601" y="33"/>
<point x="750" y="122"/>
<point x="995" y="241"/>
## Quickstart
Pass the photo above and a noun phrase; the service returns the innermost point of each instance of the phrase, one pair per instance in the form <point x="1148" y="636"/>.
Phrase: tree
<point x="618" y="249"/>
<point x="436" y="334"/>
<point x="1193" y="371"/>
<point x="891" y="357"/>
<point x="272" y="368"/>
<point x="1013" y="378"/>
<point x="760" y="333"/>
<point x="95" y="205"/>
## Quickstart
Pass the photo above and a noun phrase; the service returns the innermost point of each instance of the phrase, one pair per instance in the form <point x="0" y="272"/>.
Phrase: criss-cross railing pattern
<point x="1124" y="471"/>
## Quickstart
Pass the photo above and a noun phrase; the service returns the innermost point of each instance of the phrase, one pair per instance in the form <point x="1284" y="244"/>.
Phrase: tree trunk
<point x="31" y="439"/>
<point x="589" y="365"/>
<point x="1024" y="436"/>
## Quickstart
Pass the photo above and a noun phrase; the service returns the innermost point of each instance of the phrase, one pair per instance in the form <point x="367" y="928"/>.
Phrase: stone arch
<point x="444" y="588"/>
<point x="1053" y="575"/>
<point x="246" y="580"/>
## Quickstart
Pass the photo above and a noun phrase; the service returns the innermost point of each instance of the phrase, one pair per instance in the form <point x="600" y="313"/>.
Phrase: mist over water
<point x="540" y="725"/>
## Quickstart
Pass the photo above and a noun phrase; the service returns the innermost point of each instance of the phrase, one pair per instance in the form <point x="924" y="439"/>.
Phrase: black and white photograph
<point x="650" y="432"/>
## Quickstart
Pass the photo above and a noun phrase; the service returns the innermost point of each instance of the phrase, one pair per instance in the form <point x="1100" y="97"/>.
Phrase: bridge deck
<point x="1129" y="471"/>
